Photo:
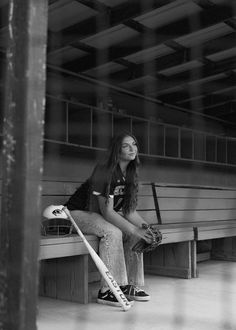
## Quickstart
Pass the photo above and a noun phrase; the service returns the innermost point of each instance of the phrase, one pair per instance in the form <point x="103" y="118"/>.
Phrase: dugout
<point x="73" y="73"/>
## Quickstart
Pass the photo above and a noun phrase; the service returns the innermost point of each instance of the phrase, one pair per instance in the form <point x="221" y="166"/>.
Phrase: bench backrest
<point x="191" y="204"/>
<point x="58" y="191"/>
<point x="146" y="203"/>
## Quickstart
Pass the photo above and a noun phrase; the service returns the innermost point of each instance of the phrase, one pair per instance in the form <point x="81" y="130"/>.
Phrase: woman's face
<point x="129" y="149"/>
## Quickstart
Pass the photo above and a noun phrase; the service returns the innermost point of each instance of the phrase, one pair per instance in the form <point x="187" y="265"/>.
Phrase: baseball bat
<point x="114" y="287"/>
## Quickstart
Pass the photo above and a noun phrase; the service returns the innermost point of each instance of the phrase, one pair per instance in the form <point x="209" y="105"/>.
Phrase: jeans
<point x="115" y="248"/>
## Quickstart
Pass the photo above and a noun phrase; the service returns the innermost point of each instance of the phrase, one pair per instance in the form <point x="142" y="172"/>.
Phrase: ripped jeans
<point x="115" y="248"/>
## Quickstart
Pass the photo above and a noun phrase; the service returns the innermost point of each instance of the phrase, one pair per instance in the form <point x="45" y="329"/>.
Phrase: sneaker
<point x="108" y="298"/>
<point x="135" y="293"/>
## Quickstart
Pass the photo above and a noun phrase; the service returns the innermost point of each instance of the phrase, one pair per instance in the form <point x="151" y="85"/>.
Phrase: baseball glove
<point x="142" y="246"/>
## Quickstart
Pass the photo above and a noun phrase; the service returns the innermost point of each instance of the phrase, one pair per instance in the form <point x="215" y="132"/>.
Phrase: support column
<point x="22" y="156"/>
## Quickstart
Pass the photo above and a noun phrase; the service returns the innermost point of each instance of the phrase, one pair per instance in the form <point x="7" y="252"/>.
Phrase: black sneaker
<point x="108" y="298"/>
<point x="135" y="293"/>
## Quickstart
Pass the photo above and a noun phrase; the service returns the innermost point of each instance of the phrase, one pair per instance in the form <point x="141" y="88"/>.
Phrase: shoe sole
<point x="136" y="298"/>
<point x="111" y="303"/>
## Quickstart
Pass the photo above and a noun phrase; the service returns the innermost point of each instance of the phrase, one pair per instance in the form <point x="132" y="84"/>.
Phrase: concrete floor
<point x="204" y="303"/>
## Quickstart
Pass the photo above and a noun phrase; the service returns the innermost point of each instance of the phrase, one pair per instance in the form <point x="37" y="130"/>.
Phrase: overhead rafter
<point x="88" y="27"/>
<point x="206" y="18"/>
<point x="95" y="5"/>
<point x="181" y="56"/>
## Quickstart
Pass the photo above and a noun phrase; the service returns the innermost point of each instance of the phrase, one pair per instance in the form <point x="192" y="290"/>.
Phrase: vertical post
<point x="22" y="163"/>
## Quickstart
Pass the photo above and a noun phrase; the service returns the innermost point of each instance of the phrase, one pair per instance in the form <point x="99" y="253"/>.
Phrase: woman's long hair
<point x="111" y="163"/>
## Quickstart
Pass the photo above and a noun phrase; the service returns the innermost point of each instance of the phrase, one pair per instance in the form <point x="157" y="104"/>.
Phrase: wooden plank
<point x="65" y="279"/>
<point x="177" y="203"/>
<point x="224" y="249"/>
<point x="170" y="260"/>
<point x="168" y="271"/>
<point x="74" y="238"/>
<point x="53" y="200"/>
<point x="48" y="274"/>
<point x="194" y="271"/>
<point x="197" y="215"/>
<point x="217" y="225"/>
<point x="195" y="224"/>
<point x="65" y="246"/>
<point x="177" y="236"/>
<point x="203" y="256"/>
<point x="145" y="189"/>
<point x="80" y="280"/>
<point x="149" y="216"/>
<point x="67" y="188"/>
<point x="215" y="233"/>
<point x="146" y="203"/>
<point x="53" y="188"/>
<point x="194" y="192"/>
<point x="22" y="163"/>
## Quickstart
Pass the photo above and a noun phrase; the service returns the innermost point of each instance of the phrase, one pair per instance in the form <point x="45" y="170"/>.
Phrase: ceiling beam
<point x="95" y="5"/>
<point x="169" y="32"/>
<point x="209" y="101"/>
<point x="90" y="26"/>
<point x="208" y="88"/>
<point x="179" y="80"/>
<point x="181" y="56"/>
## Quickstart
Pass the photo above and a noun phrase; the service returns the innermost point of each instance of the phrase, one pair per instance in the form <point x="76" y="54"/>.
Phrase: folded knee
<point x="114" y="234"/>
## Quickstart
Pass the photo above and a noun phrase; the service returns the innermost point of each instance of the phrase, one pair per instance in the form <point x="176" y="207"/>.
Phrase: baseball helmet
<point x="56" y="222"/>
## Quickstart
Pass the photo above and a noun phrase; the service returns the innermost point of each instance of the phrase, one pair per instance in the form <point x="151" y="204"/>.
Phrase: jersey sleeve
<point x="99" y="181"/>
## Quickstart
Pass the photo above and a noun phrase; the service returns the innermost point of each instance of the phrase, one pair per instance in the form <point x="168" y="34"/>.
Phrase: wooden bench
<point x="185" y="215"/>
<point x="65" y="266"/>
<point x="197" y="214"/>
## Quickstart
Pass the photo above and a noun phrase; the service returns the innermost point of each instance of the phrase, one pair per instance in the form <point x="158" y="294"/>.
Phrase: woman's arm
<point x="135" y="218"/>
<point x="129" y="227"/>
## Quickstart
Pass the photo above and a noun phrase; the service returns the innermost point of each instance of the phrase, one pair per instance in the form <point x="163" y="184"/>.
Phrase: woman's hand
<point x="142" y="233"/>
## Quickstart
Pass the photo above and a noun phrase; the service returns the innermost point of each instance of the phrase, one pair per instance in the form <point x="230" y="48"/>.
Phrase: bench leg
<point x="194" y="259"/>
<point x="175" y="259"/>
<point x="65" y="278"/>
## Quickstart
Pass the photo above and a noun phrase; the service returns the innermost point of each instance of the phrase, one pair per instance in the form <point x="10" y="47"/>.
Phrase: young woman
<point x="105" y="206"/>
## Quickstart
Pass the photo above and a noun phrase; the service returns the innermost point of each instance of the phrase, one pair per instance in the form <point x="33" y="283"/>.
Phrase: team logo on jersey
<point x="119" y="190"/>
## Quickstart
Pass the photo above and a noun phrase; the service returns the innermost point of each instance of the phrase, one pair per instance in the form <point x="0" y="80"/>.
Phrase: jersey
<point x="85" y="197"/>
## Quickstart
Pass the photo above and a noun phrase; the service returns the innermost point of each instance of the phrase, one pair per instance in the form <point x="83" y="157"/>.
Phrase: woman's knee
<point x="114" y="233"/>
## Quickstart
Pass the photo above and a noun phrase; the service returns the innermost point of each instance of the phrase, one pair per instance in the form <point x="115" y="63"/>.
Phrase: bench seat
<point x="58" y="247"/>
<point x="177" y="234"/>
<point x="214" y="230"/>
